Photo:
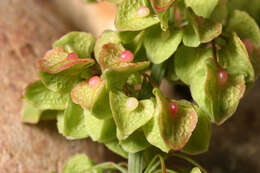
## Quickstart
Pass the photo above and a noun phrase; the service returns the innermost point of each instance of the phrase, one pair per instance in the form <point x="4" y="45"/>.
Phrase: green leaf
<point x="196" y="66"/>
<point x="135" y="142"/>
<point x="94" y="99"/>
<point x="202" y="8"/>
<point x="158" y="72"/>
<point x="195" y="170"/>
<point x="127" y="18"/>
<point x="75" y="122"/>
<point x="42" y="98"/>
<point x="245" y="26"/>
<point x="152" y="129"/>
<point x="220" y="13"/>
<point x="200" y="138"/>
<point x="110" y="56"/>
<point x="117" y="148"/>
<point x="122" y="74"/>
<point x="128" y="119"/>
<point x="200" y="30"/>
<point x="33" y="115"/>
<point x="100" y="130"/>
<point x="78" y="163"/>
<point x="108" y="36"/>
<point x="127" y="36"/>
<point x="60" y="74"/>
<point x="235" y="58"/>
<point x="176" y="130"/>
<point x="161" y="45"/>
<point x="81" y="43"/>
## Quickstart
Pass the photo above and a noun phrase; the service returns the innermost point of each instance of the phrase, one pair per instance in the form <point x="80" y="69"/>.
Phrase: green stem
<point x="181" y="156"/>
<point x="135" y="162"/>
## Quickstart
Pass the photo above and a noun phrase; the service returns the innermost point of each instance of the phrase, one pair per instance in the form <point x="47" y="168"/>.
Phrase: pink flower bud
<point x="94" y="81"/>
<point x="143" y="11"/>
<point x="173" y="108"/>
<point x="222" y="76"/>
<point x="126" y="56"/>
<point x="72" y="55"/>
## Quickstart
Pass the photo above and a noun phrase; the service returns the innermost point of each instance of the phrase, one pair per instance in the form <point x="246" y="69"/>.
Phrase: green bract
<point x="79" y="42"/>
<point x="202" y="8"/>
<point x="126" y="119"/>
<point x="78" y="163"/>
<point x="161" y="45"/>
<point x="127" y="18"/>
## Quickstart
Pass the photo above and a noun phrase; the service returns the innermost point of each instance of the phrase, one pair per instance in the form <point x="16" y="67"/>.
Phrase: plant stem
<point x="135" y="162"/>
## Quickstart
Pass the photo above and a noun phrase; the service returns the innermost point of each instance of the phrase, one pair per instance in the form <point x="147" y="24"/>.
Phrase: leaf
<point x="31" y="114"/>
<point x="152" y="130"/>
<point x="245" y="26"/>
<point x="116" y="148"/>
<point x="108" y="36"/>
<point x="100" y="130"/>
<point x="42" y="98"/>
<point x="158" y="72"/>
<point x="200" y="138"/>
<point x="135" y="142"/>
<point x="202" y="8"/>
<point x="127" y="18"/>
<point x="75" y="122"/>
<point x="176" y="130"/>
<point x="127" y="120"/>
<point x="78" y="163"/>
<point x="81" y="43"/>
<point x="234" y="56"/>
<point x="196" y="66"/>
<point x="123" y="74"/>
<point x="94" y="99"/>
<point x="60" y="74"/>
<point x="110" y="56"/>
<point x="200" y="30"/>
<point x="195" y="170"/>
<point x="127" y="36"/>
<point x="220" y="13"/>
<point x="161" y="45"/>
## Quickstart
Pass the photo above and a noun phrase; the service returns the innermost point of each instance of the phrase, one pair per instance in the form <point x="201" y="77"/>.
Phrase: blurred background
<point x="27" y="29"/>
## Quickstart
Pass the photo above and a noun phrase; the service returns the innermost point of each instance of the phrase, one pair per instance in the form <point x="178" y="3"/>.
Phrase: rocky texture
<point x="27" y="29"/>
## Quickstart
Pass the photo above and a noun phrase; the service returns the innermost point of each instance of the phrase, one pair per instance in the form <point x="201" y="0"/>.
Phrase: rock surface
<point x="27" y="29"/>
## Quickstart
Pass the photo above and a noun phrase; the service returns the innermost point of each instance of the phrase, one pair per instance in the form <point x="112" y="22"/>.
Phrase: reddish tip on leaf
<point x="249" y="46"/>
<point x="94" y="81"/>
<point x="72" y="55"/>
<point x="173" y="108"/>
<point x="222" y="76"/>
<point x="143" y="11"/>
<point x="126" y="56"/>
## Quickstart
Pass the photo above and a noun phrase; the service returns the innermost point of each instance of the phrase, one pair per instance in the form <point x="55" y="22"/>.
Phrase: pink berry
<point x="173" y="108"/>
<point x="143" y="11"/>
<point x="126" y="56"/>
<point x="222" y="76"/>
<point x="249" y="46"/>
<point x="72" y="55"/>
<point x="94" y="81"/>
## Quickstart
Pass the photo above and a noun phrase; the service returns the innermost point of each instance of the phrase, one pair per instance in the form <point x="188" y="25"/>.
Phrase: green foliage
<point x="190" y="42"/>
